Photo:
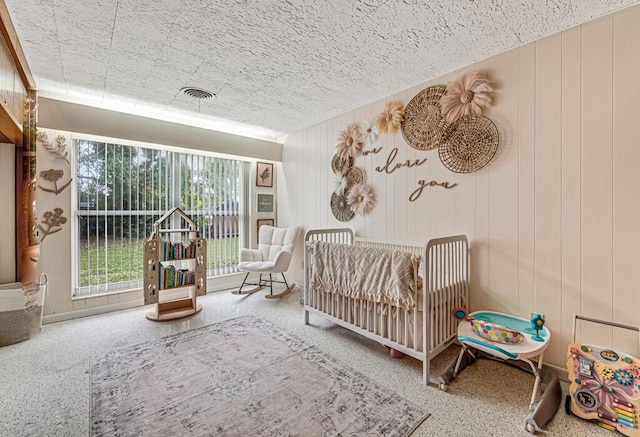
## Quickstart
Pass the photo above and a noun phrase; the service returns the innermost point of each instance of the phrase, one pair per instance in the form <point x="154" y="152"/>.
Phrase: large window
<point x="122" y="190"/>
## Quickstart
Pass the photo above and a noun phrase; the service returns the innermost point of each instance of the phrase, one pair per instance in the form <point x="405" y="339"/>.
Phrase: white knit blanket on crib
<point x="378" y="275"/>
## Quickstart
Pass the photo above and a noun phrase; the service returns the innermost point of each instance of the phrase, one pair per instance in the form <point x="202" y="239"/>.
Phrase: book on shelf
<point x="171" y="277"/>
<point x="170" y="250"/>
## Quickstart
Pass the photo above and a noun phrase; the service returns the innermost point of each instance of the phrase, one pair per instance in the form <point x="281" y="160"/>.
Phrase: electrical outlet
<point x="302" y="264"/>
<point x="532" y="315"/>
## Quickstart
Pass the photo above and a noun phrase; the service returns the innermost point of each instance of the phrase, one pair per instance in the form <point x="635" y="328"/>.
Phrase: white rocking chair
<point x="273" y="256"/>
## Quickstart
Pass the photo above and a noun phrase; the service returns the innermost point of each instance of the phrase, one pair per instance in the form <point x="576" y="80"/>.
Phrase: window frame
<point x="110" y="289"/>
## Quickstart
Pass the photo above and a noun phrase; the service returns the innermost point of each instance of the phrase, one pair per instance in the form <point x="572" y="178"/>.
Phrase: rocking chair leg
<point x="239" y="291"/>
<point x="271" y="283"/>
<point x="283" y="293"/>
<point x="243" y="281"/>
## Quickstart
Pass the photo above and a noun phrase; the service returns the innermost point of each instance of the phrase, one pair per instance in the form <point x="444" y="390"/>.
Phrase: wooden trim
<point x="9" y="126"/>
<point x="13" y="44"/>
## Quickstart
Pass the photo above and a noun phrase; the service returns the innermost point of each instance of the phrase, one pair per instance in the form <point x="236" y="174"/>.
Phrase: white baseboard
<point x="94" y="311"/>
<point x="213" y="285"/>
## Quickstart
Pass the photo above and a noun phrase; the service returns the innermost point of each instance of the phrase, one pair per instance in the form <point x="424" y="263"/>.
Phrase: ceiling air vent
<point x="197" y="93"/>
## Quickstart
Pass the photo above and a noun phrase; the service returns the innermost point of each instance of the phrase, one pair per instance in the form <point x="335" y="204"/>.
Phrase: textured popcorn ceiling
<point x="276" y="66"/>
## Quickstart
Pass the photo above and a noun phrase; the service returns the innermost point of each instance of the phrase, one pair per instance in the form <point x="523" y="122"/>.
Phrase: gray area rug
<point x="240" y="377"/>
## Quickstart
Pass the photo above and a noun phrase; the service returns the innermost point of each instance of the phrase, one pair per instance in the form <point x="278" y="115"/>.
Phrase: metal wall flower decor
<point x="59" y="148"/>
<point x="53" y="175"/>
<point x="52" y="221"/>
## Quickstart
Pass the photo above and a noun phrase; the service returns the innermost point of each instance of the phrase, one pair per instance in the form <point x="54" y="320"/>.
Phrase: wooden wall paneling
<point x="503" y="185"/>
<point x="570" y="158"/>
<point x="298" y="175"/>
<point x="114" y="298"/>
<point x="367" y="166"/>
<point x="357" y="116"/>
<point x="7" y="220"/>
<point x="441" y="200"/>
<point x="400" y="177"/>
<point x="379" y="180"/>
<point x="96" y="302"/>
<point x="410" y="180"/>
<point x="324" y="145"/>
<point x="325" y="175"/>
<point x="20" y="91"/>
<point x="548" y="178"/>
<point x="480" y="285"/>
<point x="390" y="186"/>
<point x="464" y="205"/>
<point x="526" y="178"/>
<point x="129" y="296"/>
<point x="77" y="305"/>
<point x="317" y="193"/>
<point x="302" y="159"/>
<point x="421" y="207"/>
<point x="6" y="73"/>
<point x="596" y="178"/>
<point x="626" y="178"/>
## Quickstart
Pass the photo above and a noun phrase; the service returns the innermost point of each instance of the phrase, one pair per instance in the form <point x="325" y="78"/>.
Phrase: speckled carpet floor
<point x="45" y="381"/>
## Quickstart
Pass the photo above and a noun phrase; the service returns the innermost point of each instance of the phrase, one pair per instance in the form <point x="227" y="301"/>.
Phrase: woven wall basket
<point x="470" y="146"/>
<point x="354" y="176"/>
<point x="341" y="165"/>
<point x="423" y="127"/>
<point x="340" y="208"/>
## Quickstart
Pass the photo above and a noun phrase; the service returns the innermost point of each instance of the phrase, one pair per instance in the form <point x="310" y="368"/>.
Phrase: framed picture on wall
<point x="265" y="203"/>
<point x="264" y="174"/>
<point x="268" y="222"/>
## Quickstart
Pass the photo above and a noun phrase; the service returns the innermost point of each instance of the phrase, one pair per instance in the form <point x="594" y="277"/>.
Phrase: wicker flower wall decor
<point x="390" y="119"/>
<point x="424" y="127"/>
<point x="341" y="184"/>
<point x="339" y="165"/>
<point x="470" y="146"/>
<point x="369" y="131"/>
<point x="340" y="207"/>
<point x="349" y="142"/>
<point x="361" y="198"/>
<point x="469" y="94"/>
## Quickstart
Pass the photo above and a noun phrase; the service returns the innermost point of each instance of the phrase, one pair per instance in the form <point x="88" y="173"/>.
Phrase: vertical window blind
<point x="122" y="190"/>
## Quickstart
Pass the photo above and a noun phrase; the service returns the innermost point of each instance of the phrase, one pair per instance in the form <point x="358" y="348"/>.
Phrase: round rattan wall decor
<point x="340" y="208"/>
<point x="341" y="165"/>
<point x="470" y="146"/>
<point x="423" y="127"/>
<point x="354" y="176"/>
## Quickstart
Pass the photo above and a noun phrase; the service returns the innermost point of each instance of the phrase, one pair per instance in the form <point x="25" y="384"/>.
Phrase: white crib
<point x="443" y="276"/>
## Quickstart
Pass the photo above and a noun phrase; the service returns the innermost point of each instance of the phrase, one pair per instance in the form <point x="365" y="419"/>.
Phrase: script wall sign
<point x="422" y="184"/>
<point x="389" y="167"/>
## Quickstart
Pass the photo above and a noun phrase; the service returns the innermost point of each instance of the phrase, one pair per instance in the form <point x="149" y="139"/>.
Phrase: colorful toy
<point x="505" y="337"/>
<point x="537" y="322"/>
<point x="605" y="384"/>
<point x="489" y="327"/>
